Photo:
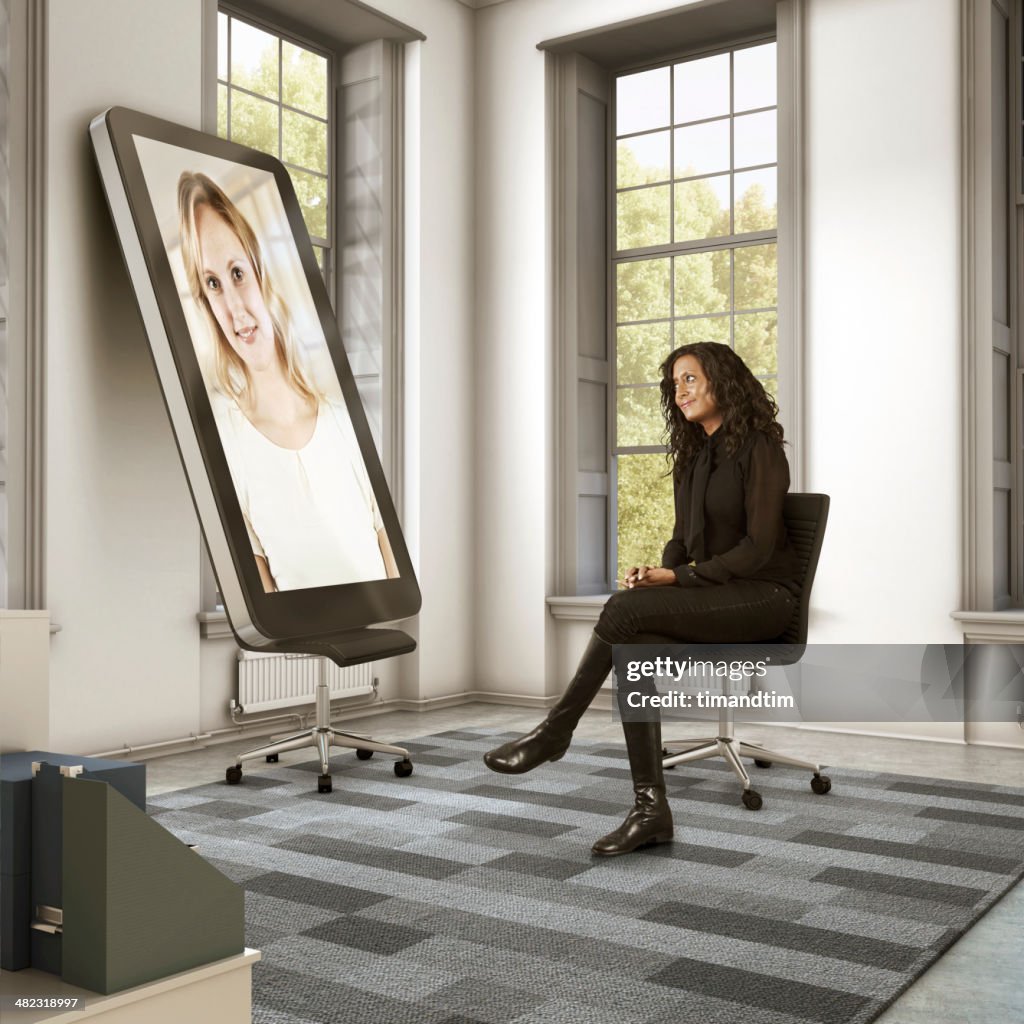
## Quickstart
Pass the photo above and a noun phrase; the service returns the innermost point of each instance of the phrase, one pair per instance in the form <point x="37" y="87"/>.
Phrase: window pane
<point x="756" y="139"/>
<point x="254" y="59"/>
<point x="305" y="79"/>
<point x="320" y="253"/>
<point x="702" y="283"/>
<point x="702" y="149"/>
<point x="703" y="328"/>
<point x="757" y="342"/>
<point x="771" y="385"/>
<point x="642" y="217"/>
<point x="639" y="351"/>
<point x="312" y="193"/>
<point x="642" y="101"/>
<point x="254" y="122"/>
<point x="222" y="46"/>
<point x="757" y="200"/>
<point x="646" y="509"/>
<point x="638" y="417"/>
<point x="642" y="159"/>
<point x="702" y="88"/>
<point x="642" y="290"/>
<point x="755" y="81"/>
<point x="222" y="111"/>
<point x="756" y="277"/>
<point x="702" y="208"/>
<point x="304" y="141"/>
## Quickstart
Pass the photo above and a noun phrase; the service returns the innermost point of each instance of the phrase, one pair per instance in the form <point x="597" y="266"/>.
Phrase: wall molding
<point x="27" y="319"/>
<point x="790" y="36"/>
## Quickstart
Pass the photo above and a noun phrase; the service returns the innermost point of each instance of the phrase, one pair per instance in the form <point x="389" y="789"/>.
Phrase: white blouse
<point x="310" y="512"/>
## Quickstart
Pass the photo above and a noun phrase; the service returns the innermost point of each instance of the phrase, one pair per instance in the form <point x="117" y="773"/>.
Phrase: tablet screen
<point x="310" y="512"/>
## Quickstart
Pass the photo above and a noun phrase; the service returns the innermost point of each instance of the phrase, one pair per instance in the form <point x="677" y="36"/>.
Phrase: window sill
<point x="582" y="608"/>
<point x="992" y="627"/>
<point x="214" y="626"/>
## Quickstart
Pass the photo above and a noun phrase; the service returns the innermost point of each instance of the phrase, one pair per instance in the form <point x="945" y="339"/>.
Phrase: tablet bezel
<point x="256" y="617"/>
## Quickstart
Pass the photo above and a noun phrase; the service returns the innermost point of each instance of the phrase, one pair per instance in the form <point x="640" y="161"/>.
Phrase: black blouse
<point x="742" y="535"/>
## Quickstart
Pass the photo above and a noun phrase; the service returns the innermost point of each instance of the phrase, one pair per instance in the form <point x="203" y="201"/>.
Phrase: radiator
<point x="267" y="681"/>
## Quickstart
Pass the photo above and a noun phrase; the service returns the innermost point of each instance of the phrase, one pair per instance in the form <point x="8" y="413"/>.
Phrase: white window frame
<point x="978" y="616"/>
<point x="567" y="73"/>
<point x="721" y="243"/>
<point x="328" y="244"/>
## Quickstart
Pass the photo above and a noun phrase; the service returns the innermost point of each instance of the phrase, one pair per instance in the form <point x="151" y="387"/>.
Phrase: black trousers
<point x="743" y="611"/>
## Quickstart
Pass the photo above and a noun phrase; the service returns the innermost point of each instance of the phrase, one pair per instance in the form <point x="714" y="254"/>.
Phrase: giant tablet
<point x="294" y="507"/>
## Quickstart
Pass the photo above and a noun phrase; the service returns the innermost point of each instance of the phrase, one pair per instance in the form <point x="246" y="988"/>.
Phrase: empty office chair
<point x="805" y="516"/>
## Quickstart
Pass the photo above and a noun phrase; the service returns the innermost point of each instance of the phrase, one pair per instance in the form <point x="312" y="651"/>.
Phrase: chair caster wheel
<point x="363" y="755"/>
<point x="323" y="784"/>
<point x="403" y="769"/>
<point x="752" y="800"/>
<point x="762" y="763"/>
<point x="821" y="784"/>
<point x="272" y="758"/>
<point x="233" y="776"/>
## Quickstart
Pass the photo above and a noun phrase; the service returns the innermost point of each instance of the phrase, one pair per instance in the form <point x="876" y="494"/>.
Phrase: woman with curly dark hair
<point x="726" y="575"/>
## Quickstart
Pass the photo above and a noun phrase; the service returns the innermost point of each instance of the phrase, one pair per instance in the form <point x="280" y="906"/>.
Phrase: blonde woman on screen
<point x="306" y="499"/>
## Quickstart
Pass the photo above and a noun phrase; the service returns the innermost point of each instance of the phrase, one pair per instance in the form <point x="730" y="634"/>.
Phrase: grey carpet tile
<point x="894" y="885"/>
<point x="360" y="853"/>
<point x="909" y="851"/>
<point x="333" y="1002"/>
<point x="309" y="892"/>
<point x="392" y="975"/>
<point x="907" y="908"/>
<point x="610" y="808"/>
<point x="979" y="818"/>
<point x="456" y="896"/>
<point x="901" y="833"/>
<point x="847" y="921"/>
<point x="494" y="1003"/>
<point x="800" y="999"/>
<point x="506" y="823"/>
<point x="353" y="798"/>
<point x="543" y="867"/>
<point x="365" y="934"/>
<point x="563" y="1011"/>
<point x="265" y="1015"/>
<point x="972" y="795"/>
<point x="856" y="948"/>
<point x="276" y="917"/>
<point x="454" y="847"/>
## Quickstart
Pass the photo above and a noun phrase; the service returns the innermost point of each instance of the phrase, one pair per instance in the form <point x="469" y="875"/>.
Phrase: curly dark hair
<point x="741" y="398"/>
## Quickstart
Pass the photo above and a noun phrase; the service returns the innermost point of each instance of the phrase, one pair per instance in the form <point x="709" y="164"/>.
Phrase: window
<point x="694" y="252"/>
<point x="274" y="94"/>
<point x="333" y="114"/>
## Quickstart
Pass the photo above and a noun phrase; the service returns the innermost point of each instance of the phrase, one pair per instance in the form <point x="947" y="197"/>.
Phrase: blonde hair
<point x="232" y="375"/>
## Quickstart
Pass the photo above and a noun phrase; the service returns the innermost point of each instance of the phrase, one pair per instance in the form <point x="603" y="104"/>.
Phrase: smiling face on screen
<point x="232" y="288"/>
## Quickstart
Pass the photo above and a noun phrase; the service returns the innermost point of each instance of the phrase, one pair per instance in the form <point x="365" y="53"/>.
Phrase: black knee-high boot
<point x="550" y="740"/>
<point x="650" y="820"/>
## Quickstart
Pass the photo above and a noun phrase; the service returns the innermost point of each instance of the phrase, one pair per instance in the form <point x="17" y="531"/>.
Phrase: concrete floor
<point x="977" y="981"/>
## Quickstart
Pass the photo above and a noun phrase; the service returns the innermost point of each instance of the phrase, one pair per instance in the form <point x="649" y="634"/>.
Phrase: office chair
<point x="805" y="516"/>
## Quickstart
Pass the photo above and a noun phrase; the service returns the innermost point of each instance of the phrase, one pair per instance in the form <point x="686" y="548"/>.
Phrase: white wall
<point x="882" y="286"/>
<point x="122" y="540"/>
<point x="440" y="345"/>
<point x="122" y="543"/>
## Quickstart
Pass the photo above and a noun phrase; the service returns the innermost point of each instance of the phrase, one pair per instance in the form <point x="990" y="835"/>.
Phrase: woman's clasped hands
<point x="649" y="576"/>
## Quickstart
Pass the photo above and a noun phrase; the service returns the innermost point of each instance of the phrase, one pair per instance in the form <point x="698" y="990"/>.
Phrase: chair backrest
<point x="805" y="516"/>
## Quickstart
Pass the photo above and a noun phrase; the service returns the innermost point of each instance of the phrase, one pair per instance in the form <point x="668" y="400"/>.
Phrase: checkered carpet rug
<point x="457" y="896"/>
